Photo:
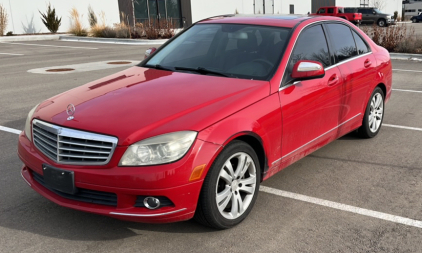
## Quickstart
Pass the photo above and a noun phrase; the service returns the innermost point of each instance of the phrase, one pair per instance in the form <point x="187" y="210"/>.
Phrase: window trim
<point x="322" y="22"/>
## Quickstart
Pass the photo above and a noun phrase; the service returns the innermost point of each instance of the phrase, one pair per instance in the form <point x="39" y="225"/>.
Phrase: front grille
<point x="69" y="146"/>
<point x="84" y="195"/>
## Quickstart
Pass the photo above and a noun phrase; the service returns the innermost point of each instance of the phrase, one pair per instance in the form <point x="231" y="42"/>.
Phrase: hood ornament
<point x="70" y="110"/>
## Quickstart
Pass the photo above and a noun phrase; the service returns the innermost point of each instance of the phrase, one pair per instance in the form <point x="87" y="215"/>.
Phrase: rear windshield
<point x="234" y="50"/>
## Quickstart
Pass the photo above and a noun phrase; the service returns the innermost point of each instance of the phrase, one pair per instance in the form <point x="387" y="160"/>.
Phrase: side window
<point x="330" y="10"/>
<point x="311" y="45"/>
<point x="321" y="11"/>
<point x="344" y="45"/>
<point x="360" y="44"/>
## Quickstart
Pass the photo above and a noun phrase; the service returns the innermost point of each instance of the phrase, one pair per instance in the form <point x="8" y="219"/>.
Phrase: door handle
<point x="367" y="63"/>
<point x="333" y="80"/>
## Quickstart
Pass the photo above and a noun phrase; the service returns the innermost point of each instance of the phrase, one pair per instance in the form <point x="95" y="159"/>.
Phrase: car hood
<point x="139" y="103"/>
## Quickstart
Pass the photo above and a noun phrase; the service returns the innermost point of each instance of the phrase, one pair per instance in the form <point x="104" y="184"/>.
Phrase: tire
<point x="381" y="22"/>
<point x="226" y="189"/>
<point x="374" y="115"/>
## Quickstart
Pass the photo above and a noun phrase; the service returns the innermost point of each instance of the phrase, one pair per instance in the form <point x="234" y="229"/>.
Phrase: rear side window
<point x="344" y="46"/>
<point x="360" y="44"/>
<point x="330" y="10"/>
<point x="321" y="11"/>
<point x="311" y="45"/>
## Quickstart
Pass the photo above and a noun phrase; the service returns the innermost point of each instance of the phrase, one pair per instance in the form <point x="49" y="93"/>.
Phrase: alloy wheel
<point x="236" y="185"/>
<point x="376" y="111"/>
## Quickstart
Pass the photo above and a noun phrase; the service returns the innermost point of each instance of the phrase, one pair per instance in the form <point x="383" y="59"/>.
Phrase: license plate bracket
<point x="59" y="179"/>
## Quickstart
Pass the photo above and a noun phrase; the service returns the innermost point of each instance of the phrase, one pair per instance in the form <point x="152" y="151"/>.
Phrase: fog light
<point x="151" y="203"/>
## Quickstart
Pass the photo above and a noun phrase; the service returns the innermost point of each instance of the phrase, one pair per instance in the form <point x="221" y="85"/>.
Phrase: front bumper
<point x="126" y="183"/>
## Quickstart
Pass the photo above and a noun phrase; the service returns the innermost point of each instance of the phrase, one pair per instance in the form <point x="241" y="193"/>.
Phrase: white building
<point x="25" y="18"/>
<point x="412" y="8"/>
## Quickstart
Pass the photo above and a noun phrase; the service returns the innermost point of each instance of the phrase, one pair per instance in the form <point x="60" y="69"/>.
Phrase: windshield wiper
<point x="158" y="66"/>
<point x="203" y="71"/>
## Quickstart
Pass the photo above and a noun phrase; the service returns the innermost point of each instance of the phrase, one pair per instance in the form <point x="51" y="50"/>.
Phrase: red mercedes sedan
<point x="194" y="129"/>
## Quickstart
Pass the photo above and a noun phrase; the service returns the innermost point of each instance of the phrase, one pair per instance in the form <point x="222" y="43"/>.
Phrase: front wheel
<point x="374" y="114"/>
<point x="230" y="187"/>
<point x="381" y="22"/>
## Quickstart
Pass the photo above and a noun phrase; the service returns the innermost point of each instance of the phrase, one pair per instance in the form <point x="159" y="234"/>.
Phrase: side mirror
<point x="149" y="52"/>
<point x="306" y="70"/>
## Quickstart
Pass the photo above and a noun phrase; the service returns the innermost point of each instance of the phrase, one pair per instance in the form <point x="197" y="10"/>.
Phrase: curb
<point x="411" y="57"/>
<point x="113" y="41"/>
<point x="29" y="38"/>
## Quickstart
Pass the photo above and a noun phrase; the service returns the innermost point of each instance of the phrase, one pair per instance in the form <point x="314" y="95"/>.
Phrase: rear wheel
<point x="413" y="20"/>
<point x="230" y="188"/>
<point x="374" y="115"/>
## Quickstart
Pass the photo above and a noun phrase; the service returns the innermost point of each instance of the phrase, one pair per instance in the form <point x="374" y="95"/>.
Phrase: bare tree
<point x="379" y="4"/>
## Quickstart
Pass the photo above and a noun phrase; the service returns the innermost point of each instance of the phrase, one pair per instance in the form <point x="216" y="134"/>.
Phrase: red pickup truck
<point x="337" y="11"/>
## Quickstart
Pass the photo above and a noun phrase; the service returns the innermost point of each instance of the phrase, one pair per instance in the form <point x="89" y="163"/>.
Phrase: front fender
<point x="261" y="119"/>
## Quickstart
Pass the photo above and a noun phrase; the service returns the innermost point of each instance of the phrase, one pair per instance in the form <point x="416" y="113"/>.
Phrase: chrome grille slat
<point x="69" y="146"/>
<point x="47" y="141"/>
<point x="86" y="145"/>
<point x="43" y="133"/>
<point x="84" y="150"/>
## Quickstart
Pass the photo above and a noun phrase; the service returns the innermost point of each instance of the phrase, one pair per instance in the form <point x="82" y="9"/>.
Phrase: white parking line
<point x="407" y="70"/>
<point x="403" y="127"/>
<point x="415" y="91"/>
<point x="40" y="45"/>
<point x="343" y="207"/>
<point x="10" y="130"/>
<point x="10" y="54"/>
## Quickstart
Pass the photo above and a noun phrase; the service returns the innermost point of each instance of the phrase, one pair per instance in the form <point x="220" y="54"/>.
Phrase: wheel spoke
<point x="247" y="189"/>
<point x="223" y="205"/>
<point x="229" y="167"/>
<point x="378" y="101"/>
<point x="240" y="165"/>
<point x="371" y="118"/>
<point x="224" y="194"/>
<point x="235" y="206"/>
<point x="225" y="176"/>
<point x="248" y="181"/>
<point x="245" y="167"/>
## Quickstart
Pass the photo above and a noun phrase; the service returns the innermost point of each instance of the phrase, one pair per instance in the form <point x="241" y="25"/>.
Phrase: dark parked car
<point x="416" y="19"/>
<point x="372" y="15"/>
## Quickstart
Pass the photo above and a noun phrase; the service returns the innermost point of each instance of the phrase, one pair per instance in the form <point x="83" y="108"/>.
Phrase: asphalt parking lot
<point x="353" y="195"/>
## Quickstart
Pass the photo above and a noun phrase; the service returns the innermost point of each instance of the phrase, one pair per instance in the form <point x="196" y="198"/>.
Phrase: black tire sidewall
<point x="208" y="193"/>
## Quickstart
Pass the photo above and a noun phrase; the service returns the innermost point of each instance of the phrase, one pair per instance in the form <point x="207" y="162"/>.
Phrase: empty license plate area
<point x="58" y="179"/>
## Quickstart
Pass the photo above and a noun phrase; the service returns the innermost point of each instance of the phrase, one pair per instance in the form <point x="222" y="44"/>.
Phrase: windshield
<point x="378" y="11"/>
<point x="233" y="50"/>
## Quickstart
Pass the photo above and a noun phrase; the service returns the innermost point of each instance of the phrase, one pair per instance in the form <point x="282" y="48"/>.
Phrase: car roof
<point x="288" y="21"/>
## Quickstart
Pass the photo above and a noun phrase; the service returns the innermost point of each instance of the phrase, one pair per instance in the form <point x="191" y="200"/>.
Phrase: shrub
<point x="109" y="32"/>
<point x="138" y="31"/>
<point x="151" y="30"/>
<point x="389" y="37"/>
<point x="50" y="19"/>
<point x="122" y="30"/>
<point x="97" y="30"/>
<point x="92" y="18"/>
<point x="167" y="28"/>
<point x="9" y="33"/>
<point x="76" y="27"/>
<point x="3" y="20"/>
<point x="396" y="14"/>
<point x="412" y="46"/>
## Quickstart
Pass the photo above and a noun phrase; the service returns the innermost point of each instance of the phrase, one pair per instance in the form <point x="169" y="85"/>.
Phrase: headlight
<point x="28" y="132"/>
<point x="161" y="149"/>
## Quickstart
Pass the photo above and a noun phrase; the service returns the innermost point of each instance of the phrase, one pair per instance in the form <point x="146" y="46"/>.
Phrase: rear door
<point x="356" y="62"/>
<point x="310" y="109"/>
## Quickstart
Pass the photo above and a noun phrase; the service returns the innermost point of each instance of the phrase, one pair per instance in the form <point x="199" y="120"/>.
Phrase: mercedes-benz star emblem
<point x="70" y="111"/>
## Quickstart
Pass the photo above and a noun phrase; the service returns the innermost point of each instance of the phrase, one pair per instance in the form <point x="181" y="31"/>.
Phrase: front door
<point x="310" y="109"/>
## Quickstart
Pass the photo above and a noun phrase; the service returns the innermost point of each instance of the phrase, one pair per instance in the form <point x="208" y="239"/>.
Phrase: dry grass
<point x="122" y="30"/>
<point x="167" y="28"/>
<point x="389" y="37"/>
<point x="76" y="27"/>
<point x="151" y="30"/>
<point x="3" y="20"/>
